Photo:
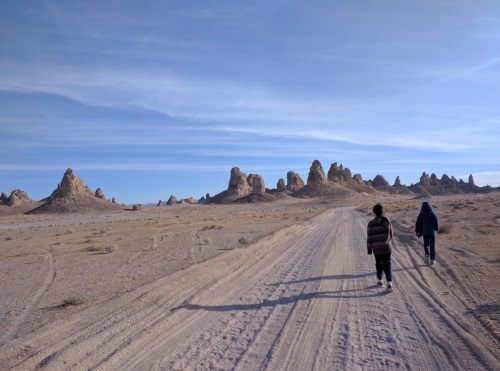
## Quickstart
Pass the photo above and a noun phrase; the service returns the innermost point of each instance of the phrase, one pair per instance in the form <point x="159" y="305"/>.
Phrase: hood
<point x="426" y="208"/>
<point x="382" y="220"/>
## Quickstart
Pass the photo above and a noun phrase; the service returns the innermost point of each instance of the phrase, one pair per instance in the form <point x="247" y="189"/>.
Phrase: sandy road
<point x="303" y="298"/>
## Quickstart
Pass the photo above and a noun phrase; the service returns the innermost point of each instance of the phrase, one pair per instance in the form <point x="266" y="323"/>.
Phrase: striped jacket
<point x="379" y="236"/>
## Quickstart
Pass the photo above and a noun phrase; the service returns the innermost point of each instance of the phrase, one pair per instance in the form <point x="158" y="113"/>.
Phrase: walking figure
<point x="427" y="225"/>
<point x="378" y="241"/>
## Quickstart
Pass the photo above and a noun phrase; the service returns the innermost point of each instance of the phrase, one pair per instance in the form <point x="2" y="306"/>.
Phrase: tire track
<point x="47" y="282"/>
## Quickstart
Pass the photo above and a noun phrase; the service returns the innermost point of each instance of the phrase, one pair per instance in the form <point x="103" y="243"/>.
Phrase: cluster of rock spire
<point x="241" y="185"/>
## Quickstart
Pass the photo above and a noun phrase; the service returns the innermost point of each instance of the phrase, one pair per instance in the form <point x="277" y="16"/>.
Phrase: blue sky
<point x="149" y="99"/>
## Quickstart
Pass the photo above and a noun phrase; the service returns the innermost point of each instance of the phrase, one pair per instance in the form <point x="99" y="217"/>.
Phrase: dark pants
<point x="383" y="264"/>
<point x="430" y="244"/>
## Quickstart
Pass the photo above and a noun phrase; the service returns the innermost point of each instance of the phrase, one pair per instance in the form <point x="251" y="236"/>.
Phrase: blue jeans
<point x="430" y="244"/>
<point x="383" y="265"/>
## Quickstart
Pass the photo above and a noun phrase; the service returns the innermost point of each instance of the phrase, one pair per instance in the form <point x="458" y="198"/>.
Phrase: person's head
<point x="378" y="209"/>
<point x="426" y="206"/>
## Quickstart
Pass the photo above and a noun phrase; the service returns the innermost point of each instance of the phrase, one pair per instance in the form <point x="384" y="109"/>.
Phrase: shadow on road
<point x="281" y="301"/>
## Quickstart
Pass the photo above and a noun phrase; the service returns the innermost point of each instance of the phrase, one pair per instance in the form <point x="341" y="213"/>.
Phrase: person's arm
<point x="369" y="240"/>
<point x="418" y="225"/>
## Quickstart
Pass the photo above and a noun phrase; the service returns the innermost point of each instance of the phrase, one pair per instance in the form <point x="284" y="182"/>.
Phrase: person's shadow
<point x="291" y="299"/>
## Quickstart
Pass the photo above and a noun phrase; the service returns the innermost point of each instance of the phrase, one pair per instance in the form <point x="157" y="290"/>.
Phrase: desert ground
<point x="278" y="286"/>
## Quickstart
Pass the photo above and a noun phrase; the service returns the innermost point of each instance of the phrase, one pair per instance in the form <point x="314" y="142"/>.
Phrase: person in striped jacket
<point x="379" y="242"/>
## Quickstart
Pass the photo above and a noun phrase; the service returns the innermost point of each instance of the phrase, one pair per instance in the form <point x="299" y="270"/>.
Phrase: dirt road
<point x="302" y="298"/>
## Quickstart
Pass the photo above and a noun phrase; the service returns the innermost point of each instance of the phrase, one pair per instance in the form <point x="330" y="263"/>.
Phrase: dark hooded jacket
<point x="427" y="221"/>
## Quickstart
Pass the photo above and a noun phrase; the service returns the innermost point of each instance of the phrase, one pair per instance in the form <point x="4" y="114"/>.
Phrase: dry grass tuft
<point x="445" y="228"/>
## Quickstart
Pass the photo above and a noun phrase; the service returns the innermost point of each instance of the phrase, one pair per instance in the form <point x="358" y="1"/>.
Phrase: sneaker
<point x="379" y="283"/>
<point x="433" y="262"/>
<point x="389" y="286"/>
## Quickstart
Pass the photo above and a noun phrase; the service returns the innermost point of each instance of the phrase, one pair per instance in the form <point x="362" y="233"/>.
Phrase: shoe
<point x="379" y="283"/>
<point x="389" y="286"/>
<point x="433" y="262"/>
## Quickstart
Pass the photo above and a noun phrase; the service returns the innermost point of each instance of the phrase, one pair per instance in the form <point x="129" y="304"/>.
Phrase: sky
<point x="147" y="99"/>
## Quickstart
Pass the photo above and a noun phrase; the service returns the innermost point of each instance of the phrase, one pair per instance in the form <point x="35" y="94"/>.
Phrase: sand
<point x="285" y="285"/>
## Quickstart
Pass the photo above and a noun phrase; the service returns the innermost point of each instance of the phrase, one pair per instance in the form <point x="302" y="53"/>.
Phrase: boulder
<point x="316" y="177"/>
<point x="172" y="200"/>
<point x="99" y="193"/>
<point x="238" y="184"/>
<point x="160" y="203"/>
<point x="189" y="200"/>
<point x="397" y="183"/>
<point x="293" y="181"/>
<point x="281" y="187"/>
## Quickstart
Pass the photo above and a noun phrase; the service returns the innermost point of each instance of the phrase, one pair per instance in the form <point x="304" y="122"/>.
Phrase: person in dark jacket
<point x="378" y="242"/>
<point x="427" y="225"/>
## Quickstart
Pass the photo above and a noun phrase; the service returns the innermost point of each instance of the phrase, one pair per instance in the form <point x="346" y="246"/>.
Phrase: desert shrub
<point x="69" y="302"/>
<point x="104" y="231"/>
<point x="8" y="238"/>
<point x="213" y="226"/>
<point x="111" y="248"/>
<point x="91" y="249"/>
<point x="71" y="231"/>
<point x="207" y="241"/>
<point x="245" y="240"/>
<point x="444" y="228"/>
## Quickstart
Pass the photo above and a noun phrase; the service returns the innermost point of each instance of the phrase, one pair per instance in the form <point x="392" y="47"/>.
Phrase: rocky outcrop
<point x="99" y="193"/>
<point x="380" y="183"/>
<point x="339" y="175"/>
<point x="190" y="201"/>
<point x="471" y="180"/>
<point x="238" y="184"/>
<point x="72" y="196"/>
<point x="172" y="200"/>
<point x="256" y="183"/>
<point x="71" y="186"/>
<point x="281" y="187"/>
<point x="3" y="199"/>
<point x="160" y="203"/>
<point x="316" y="177"/>
<point x="397" y="183"/>
<point x="293" y="181"/>
<point x="358" y="179"/>
<point x="425" y="180"/>
<point x="18" y="198"/>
